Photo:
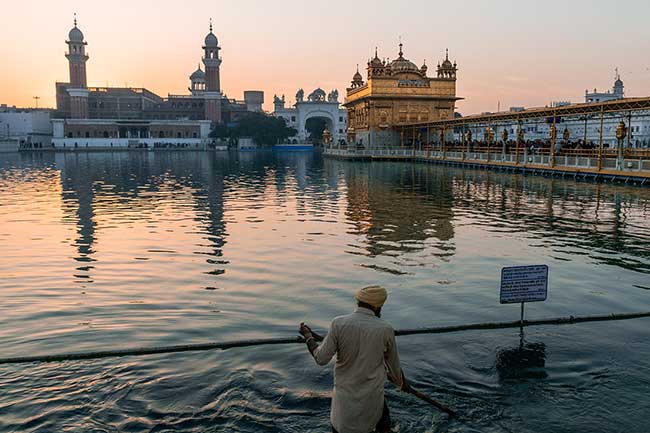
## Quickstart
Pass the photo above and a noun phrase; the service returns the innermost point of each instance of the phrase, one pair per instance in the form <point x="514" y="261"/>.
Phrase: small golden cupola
<point x="447" y="69"/>
<point x="357" y="79"/>
<point x="376" y="67"/>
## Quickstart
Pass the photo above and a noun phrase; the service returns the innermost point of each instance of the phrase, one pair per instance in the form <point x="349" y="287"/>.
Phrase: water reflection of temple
<point x="398" y="208"/>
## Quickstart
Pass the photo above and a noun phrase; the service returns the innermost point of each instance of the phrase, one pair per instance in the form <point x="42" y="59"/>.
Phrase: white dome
<point x="197" y="75"/>
<point x="75" y="35"/>
<point x="211" y="40"/>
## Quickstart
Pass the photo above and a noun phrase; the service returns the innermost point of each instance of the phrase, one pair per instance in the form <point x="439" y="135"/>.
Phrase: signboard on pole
<point x="521" y="284"/>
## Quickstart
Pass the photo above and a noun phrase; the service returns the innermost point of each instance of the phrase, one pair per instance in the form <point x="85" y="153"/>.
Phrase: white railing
<point x="122" y="143"/>
<point x="524" y="159"/>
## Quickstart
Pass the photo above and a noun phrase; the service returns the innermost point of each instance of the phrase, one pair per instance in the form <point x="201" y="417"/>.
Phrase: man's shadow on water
<point x="527" y="361"/>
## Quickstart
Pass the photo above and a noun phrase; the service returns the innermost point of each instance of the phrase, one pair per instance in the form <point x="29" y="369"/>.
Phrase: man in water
<point x="366" y="354"/>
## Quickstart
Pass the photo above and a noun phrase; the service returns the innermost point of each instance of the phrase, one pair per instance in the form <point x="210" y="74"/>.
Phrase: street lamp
<point x="553" y="136"/>
<point x="327" y="137"/>
<point x="520" y="141"/>
<point x="489" y="136"/>
<point x="621" y="133"/>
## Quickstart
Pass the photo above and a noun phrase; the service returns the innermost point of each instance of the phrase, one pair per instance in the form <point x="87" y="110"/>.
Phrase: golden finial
<point x="210" y="24"/>
<point x="75" y="19"/>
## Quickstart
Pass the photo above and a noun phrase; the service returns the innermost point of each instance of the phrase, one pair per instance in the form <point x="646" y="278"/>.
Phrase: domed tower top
<point x="197" y="81"/>
<point x="447" y="69"/>
<point x="357" y="79"/>
<point x="403" y="65"/>
<point x="75" y="35"/>
<point x="198" y="74"/>
<point x="212" y="62"/>
<point x="77" y="57"/>
<point x="619" y="87"/>
<point x="376" y="67"/>
<point x="211" y="40"/>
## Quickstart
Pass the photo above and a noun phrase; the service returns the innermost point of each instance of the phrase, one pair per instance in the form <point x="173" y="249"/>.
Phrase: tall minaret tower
<point x="77" y="59"/>
<point x="212" y="63"/>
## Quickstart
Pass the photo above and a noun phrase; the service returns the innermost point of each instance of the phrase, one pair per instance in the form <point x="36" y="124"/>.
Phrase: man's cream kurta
<point x="366" y="353"/>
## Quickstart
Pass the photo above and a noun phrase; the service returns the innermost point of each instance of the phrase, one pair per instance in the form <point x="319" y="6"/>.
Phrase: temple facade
<point x="397" y="93"/>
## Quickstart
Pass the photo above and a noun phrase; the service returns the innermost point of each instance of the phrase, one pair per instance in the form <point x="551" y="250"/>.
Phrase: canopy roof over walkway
<point x="609" y="107"/>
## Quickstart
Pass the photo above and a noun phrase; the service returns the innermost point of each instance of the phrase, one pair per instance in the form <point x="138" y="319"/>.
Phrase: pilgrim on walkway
<point x="366" y="355"/>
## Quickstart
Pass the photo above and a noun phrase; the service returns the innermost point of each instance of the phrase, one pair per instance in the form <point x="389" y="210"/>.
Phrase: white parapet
<point x="127" y="143"/>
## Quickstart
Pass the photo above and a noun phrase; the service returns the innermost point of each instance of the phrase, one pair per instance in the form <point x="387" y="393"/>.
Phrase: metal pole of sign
<point x="521" y="326"/>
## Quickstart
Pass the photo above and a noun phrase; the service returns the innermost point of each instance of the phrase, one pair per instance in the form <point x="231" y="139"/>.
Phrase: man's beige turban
<point x="372" y="295"/>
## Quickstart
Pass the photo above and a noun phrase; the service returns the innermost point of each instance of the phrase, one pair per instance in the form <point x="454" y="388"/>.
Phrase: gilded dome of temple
<point x="403" y="65"/>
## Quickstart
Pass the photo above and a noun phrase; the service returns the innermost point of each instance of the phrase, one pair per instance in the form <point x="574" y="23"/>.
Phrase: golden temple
<point x="397" y="93"/>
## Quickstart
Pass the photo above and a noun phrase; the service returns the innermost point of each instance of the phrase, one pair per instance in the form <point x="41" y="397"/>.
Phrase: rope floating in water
<point x="299" y="340"/>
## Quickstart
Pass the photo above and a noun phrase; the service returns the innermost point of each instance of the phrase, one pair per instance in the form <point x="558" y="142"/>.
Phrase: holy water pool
<point x="120" y="250"/>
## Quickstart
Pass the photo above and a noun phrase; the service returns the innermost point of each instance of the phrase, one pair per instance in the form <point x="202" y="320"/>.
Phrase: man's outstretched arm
<point x="324" y="353"/>
<point x="395" y="372"/>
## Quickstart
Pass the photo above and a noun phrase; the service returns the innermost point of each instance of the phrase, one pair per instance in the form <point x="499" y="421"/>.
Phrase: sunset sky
<point x="518" y="53"/>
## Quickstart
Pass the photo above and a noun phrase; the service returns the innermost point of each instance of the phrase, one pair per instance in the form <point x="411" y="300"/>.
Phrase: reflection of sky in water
<point x="102" y="250"/>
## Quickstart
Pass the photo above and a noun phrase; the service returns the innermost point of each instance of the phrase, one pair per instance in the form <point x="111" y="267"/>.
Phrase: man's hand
<point x="305" y="331"/>
<point x="405" y="385"/>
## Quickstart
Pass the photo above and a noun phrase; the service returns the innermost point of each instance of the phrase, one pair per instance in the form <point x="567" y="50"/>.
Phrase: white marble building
<point x="318" y="105"/>
<point x="617" y="92"/>
<point x="28" y="127"/>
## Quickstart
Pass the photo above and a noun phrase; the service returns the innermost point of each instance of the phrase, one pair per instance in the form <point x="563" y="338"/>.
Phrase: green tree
<point x="265" y="130"/>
